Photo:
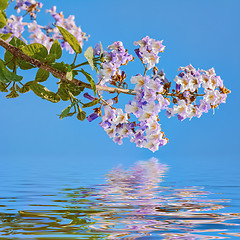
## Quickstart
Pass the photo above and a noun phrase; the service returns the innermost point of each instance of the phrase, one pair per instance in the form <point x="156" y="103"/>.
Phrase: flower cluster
<point x="14" y="25"/>
<point x="188" y="83"/>
<point x="146" y="106"/>
<point x="113" y="60"/>
<point x="152" y="95"/>
<point x="43" y="34"/>
<point x="31" y="6"/>
<point x="148" y="51"/>
<point x="140" y="121"/>
<point x="67" y="23"/>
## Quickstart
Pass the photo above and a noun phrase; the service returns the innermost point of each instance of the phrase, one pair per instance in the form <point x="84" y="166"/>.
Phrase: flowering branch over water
<point x="153" y="92"/>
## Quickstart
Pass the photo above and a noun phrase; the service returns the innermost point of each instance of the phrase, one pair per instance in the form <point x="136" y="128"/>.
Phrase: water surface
<point x="144" y="201"/>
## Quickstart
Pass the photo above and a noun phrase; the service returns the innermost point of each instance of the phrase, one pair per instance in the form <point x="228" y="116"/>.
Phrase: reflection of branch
<point x="61" y="75"/>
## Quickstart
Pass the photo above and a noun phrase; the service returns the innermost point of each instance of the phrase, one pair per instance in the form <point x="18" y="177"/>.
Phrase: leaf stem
<point x="75" y="58"/>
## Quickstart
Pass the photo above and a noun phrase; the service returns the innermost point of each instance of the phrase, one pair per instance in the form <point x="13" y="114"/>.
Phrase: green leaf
<point x="3" y="87"/>
<point x="5" y="36"/>
<point x="8" y="57"/>
<point x="90" y="104"/>
<point x="24" y="89"/>
<point x="75" y="90"/>
<point x="42" y="75"/>
<point x="65" y="112"/>
<point x="15" y="88"/>
<point x="35" y="50"/>
<point x="73" y="42"/>
<point x="7" y="76"/>
<point x="16" y="42"/>
<point x="44" y="93"/>
<point x="62" y="92"/>
<point x="89" y="56"/>
<point x="56" y="49"/>
<point x="50" y="58"/>
<point x="3" y="20"/>
<point x="90" y="80"/>
<point x="60" y="66"/>
<point x="24" y="65"/>
<point x="12" y="94"/>
<point x="12" y="61"/>
<point x="3" y="4"/>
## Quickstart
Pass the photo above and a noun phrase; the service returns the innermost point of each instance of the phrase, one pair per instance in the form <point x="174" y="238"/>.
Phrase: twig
<point x="61" y="75"/>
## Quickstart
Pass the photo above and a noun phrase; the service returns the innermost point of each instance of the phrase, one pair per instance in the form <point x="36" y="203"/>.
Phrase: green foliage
<point x="25" y="88"/>
<point x="50" y="58"/>
<point x="73" y="42"/>
<point x="7" y="76"/>
<point x="13" y="94"/>
<point x="65" y="112"/>
<point x="90" y="104"/>
<point x="90" y="80"/>
<point x="3" y="87"/>
<point x="3" y="19"/>
<point x="5" y="36"/>
<point x="61" y="66"/>
<point x="12" y="61"/>
<point x="56" y="49"/>
<point x="42" y="75"/>
<point x="62" y="92"/>
<point x="75" y="90"/>
<point x="3" y="4"/>
<point x="35" y="50"/>
<point x="43" y="92"/>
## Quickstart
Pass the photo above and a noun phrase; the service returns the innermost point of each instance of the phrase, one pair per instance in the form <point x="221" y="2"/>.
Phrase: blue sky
<point x="202" y="33"/>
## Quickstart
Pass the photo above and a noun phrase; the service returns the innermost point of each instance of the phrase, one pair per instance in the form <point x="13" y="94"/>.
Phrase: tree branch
<point x="61" y="75"/>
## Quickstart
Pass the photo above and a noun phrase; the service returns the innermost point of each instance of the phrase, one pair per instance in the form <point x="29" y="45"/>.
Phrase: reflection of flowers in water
<point x="144" y="175"/>
<point x="134" y="203"/>
<point x="139" y="206"/>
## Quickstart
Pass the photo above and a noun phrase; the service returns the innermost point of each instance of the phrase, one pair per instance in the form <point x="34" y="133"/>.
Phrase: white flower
<point x="121" y="117"/>
<point x="111" y="131"/>
<point x="183" y="82"/>
<point x="131" y="107"/>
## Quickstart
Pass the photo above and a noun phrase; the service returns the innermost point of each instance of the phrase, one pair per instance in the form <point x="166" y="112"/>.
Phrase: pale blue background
<point x="203" y="33"/>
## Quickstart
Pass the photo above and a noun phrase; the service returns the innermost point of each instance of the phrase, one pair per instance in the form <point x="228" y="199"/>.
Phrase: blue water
<point x="47" y="198"/>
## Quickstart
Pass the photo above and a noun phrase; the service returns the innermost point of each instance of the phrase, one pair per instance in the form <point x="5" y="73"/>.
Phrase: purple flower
<point x="88" y="96"/>
<point x="97" y="50"/>
<point x="92" y="117"/>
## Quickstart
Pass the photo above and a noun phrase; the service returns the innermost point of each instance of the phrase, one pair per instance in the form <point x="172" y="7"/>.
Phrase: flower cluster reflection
<point x="134" y="203"/>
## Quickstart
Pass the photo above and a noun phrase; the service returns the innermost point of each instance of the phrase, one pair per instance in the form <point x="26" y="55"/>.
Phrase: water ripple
<point x="132" y="204"/>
